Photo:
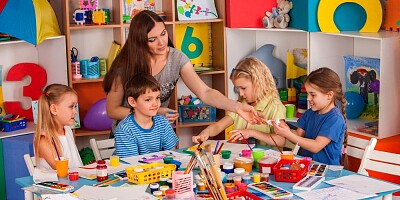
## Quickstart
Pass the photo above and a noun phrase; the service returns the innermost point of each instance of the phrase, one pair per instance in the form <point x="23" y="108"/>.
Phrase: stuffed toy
<point x="279" y="16"/>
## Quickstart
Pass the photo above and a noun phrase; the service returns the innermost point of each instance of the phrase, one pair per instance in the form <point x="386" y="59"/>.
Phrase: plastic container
<point x="288" y="155"/>
<point x="228" y="168"/>
<point x="256" y="177"/>
<point x="246" y="179"/>
<point x="101" y="171"/>
<point x="237" y="180"/>
<point x="226" y="154"/>
<point x="12" y="125"/>
<point x="73" y="176"/>
<point x="245" y="163"/>
<point x="170" y="194"/>
<point x="267" y="164"/>
<point x="197" y="113"/>
<point x="229" y="187"/>
<point x="163" y="180"/>
<point x="154" y="187"/>
<point x="246" y="153"/>
<point x="235" y="195"/>
<point x="239" y="171"/>
<point x="264" y="177"/>
<point x="164" y="188"/>
<point x="158" y="194"/>
<point x="152" y="172"/>
<point x="242" y="187"/>
<point x="291" y="175"/>
<point x="167" y="160"/>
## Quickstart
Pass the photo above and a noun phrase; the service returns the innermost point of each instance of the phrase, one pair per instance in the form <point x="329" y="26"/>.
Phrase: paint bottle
<point x="154" y="187"/>
<point x="229" y="187"/>
<point x="163" y="180"/>
<point x="256" y="177"/>
<point x="201" y="186"/>
<point x="242" y="187"/>
<point x="237" y="180"/>
<point x="158" y="194"/>
<point x="228" y="168"/>
<point x="194" y="188"/>
<point x="101" y="170"/>
<point x="239" y="171"/>
<point x="164" y="188"/>
<point x="264" y="177"/>
<point x="169" y="183"/>
<point x="170" y="194"/>
<point x="246" y="179"/>
<point x="229" y="178"/>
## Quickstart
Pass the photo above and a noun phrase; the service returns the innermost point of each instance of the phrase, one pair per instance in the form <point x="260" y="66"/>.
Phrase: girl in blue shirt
<point x="322" y="128"/>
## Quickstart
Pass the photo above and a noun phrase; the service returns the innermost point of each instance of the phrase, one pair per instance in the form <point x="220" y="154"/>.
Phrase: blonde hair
<point x="260" y="76"/>
<point x="46" y="123"/>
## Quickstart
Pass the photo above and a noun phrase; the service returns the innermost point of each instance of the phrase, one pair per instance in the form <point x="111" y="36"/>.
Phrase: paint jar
<point x="229" y="178"/>
<point x="158" y="194"/>
<point x="164" y="188"/>
<point x="154" y="187"/>
<point x="257" y="154"/>
<point x="246" y="179"/>
<point x="239" y="171"/>
<point x="266" y="164"/>
<point x="169" y="183"/>
<point x="246" y="153"/>
<point x="244" y="162"/>
<point x="242" y="187"/>
<point x="229" y="187"/>
<point x="237" y="180"/>
<point x="201" y="186"/>
<point x="167" y="160"/>
<point x="176" y="163"/>
<point x="114" y="161"/>
<point x="288" y="155"/>
<point x="256" y="177"/>
<point x="163" y="180"/>
<point x="264" y="177"/>
<point x="228" y="168"/>
<point x="226" y="154"/>
<point x="194" y="188"/>
<point x="73" y="176"/>
<point x="197" y="178"/>
<point x="101" y="171"/>
<point x="170" y="194"/>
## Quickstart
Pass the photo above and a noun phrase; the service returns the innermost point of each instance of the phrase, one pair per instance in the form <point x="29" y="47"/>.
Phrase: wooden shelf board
<point x="198" y="21"/>
<point x="212" y="72"/>
<point x="83" y="80"/>
<point x="192" y="124"/>
<point x="86" y="132"/>
<point x="92" y="26"/>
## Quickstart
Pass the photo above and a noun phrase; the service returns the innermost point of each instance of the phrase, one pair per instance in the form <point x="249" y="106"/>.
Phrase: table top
<point x="28" y="181"/>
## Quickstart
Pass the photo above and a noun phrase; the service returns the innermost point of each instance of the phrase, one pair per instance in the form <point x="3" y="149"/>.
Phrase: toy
<point x="79" y="17"/>
<point x="355" y="104"/>
<point x="279" y="16"/>
<point x="96" y="117"/>
<point x="100" y="16"/>
<point x="88" y="4"/>
<point x="392" y="15"/>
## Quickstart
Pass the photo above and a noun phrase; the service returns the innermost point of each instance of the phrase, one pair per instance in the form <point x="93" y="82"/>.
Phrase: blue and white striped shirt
<point x="132" y="140"/>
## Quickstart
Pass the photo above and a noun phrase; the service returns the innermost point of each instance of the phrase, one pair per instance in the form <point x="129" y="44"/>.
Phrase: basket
<point x="151" y="172"/>
<point x="234" y="195"/>
<point x="90" y="69"/>
<point x="288" y="175"/>
<point x="7" y="126"/>
<point x="197" y="113"/>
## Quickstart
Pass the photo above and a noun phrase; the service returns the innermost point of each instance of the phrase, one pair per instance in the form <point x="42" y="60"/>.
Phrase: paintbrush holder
<point x="182" y="185"/>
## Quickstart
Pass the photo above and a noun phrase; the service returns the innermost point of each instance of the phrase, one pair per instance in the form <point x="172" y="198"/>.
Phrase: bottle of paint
<point x="154" y="187"/>
<point x="228" y="168"/>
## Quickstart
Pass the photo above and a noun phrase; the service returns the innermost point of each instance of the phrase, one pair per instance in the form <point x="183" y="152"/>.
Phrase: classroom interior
<point x="345" y="36"/>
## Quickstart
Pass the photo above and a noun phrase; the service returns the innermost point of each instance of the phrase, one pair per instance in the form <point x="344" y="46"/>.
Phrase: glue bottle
<point x="101" y="171"/>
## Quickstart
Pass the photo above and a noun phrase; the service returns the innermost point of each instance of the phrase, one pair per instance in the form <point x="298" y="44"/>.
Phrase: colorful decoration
<point x="196" y="9"/>
<point x="279" y="16"/>
<point x="392" y="15"/>
<point x="327" y="8"/>
<point x="88" y="4"/>
<point x="132" y="7"/>
<point x="100" y="16"/>
<point x="32" y="20"/>
<point x="79" y="17"/>
<point x="355" y="105"/>
<point x="96" y="117"/>
<point x="293" y="71"/>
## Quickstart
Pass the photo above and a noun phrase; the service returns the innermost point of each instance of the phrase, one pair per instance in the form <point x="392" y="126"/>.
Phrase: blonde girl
<point x="257" y="88"/>
<point x="322" y="128"/>
<point x="56" y="113"/>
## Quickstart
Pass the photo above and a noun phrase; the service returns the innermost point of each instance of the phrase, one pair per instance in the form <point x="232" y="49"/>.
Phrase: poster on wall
<point x="194" y="40"/>
<point x="132" y="7"/>
<point x="363" y="77"/>
<point x="2" y="110"/>
<point x="196" y="9"/>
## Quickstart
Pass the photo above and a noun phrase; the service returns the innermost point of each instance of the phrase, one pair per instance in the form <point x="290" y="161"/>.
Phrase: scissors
<point x="74" y="54"/>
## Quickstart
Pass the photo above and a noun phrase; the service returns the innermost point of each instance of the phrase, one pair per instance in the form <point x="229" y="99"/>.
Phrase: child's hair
<point x="327" y="80"/>
<point x="46" y="124"/>
<point x="260" y="76"/>
<point x="139" y="84"/>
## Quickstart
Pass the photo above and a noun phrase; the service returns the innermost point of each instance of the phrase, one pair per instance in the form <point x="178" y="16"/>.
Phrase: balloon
<point x="96" y="117"/>
<point x="355" y="104"/>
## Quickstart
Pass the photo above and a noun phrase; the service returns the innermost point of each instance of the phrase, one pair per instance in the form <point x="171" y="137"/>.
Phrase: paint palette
<point x="308" y="182"/>
<point x="271" y="190"/>
<point x="60" y="187"/>
<point x="318" y="170"/>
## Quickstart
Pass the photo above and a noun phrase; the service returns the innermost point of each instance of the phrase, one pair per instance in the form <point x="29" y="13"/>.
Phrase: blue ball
<point x="355" y="105"/>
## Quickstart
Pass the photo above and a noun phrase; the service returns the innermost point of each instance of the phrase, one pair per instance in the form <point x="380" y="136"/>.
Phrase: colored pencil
<point x="108" y="181"/>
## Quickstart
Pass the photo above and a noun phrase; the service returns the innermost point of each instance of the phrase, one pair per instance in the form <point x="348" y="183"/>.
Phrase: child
<point x="257" y="88"/>
<point x="322" y="128"/>
<point x="143" y="131"/>
<point x="56" y="113"/>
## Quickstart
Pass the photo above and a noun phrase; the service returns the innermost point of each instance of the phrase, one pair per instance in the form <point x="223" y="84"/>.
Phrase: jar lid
<point x="200" y="183"/>
<point x="163" y="178"/>
<point x="256" y="174"/>
<point x="154" y="185"/>
<point x="268" y="160"/>
<point x="138" y="170"/>
<point x="229" y="185"/>
<point x="157" y="193"/>
<point x="170" y="191"/>
<point x="246" y="160"/>
<point x="246" y="177"/>
<point x="238" y="171"/>
<point x="164" y="187"/>
<point x="227" y="166"/>
<point x="169" y="180"/>
<point x="101" y="162"/>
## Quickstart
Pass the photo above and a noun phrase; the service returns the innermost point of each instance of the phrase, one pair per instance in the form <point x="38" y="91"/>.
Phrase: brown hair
<point x="139" y="84"/>
<point x="46" y="125"/>
<point x="260" y="76"/>
<point x="134" y="57"/>
<point x="327" y="80"/>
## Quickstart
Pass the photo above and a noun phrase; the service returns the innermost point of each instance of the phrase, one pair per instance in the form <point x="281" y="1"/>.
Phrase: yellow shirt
<point x="271" y="108"/>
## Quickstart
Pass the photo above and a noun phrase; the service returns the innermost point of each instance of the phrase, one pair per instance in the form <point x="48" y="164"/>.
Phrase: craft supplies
<point x="266" y="164"/>
<point x="246" y="140"/>
<point x="73" y="176"/>
<point x="60" y="187"/>
<point x="151" y="172"/>
<point x="256" y="177"/>
<point x="158" y="194"/>
<point x="246" y="179"/>
<point x="264" y="177"/>
<point x="182" y="185"/>
<point x="288" y="155"/>
<point x="242" y="187"/>
<point x="163" y="180"/>
<point x="170" y="194"/>
<point x="226" y="154"/>
<point x="245" y="163"/>
<point x="257" y="154"/>
<point x="122" y="175"/>
<point x="153" y="158"/>
<point x="101" y="170"/>
<point x="169" y="183"/>
<point x="308" y="182"/>
<point x="107" y="181"/>
<point x="154" y="187"/>
<point x="114" y="161"/>
<point x="318" y="170"/>
<point x="290" y="170"/>
<point x="270" y="190"/>
<point x="228" y="168"/>
<point x="62" y="167"/>
<point x="239" y="171"/>
<point x="167" y="160"/>
<point x="201" y="186"/>
<point x="229" y="187"/>
<point x="229" y="178"/>
<point x="237" y="180"/>
<point x="164" y="188"/>
<point x="246" y="153"/>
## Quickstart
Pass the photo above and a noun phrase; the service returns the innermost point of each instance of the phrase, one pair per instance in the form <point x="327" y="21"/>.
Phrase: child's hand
<point x="237" y="134"/>
<point x="250" y="114"/>
<point x="203" y="136"/>
<point x="281" y="129"/>
<point x="172" y="115"/>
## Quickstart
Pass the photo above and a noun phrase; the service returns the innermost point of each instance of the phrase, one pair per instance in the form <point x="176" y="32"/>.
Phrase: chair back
<point x="356" y="146"/>
<point x="30" y="163"/>
<point x="379" y="161"/>
<point x="102" y="149"/>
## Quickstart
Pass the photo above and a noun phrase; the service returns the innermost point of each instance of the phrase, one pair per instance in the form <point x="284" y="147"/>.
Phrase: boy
<point x="143" y="131"/>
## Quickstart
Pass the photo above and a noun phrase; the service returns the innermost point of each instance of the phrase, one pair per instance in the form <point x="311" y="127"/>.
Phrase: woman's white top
<point x="69" y="151"/>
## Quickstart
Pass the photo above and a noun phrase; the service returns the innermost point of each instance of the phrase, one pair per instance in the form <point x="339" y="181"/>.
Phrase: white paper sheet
<point x="59" y="197"/>
<point x="332" y="193"/>
<point x="134" y="160"/>
<point x="363" y="184"/>
<point x="91" y="173"/>
<point x="121" y="193"/>
<point x="44" y="175"/>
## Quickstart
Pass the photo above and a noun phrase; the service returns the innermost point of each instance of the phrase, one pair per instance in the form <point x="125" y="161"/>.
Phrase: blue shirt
<point x="331" y="125"/>
<point x="132" y="140"/>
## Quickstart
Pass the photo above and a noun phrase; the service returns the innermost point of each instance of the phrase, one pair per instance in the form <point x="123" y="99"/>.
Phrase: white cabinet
<point x="327" y="50"/>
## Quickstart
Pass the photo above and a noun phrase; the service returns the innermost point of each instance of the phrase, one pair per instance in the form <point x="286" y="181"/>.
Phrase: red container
<point x="290" y="175"/>
<point x="247" y="14"/>
<point x="232" y="196"/>
<point x="73" y="176"/>
<point x="267" y="164"/>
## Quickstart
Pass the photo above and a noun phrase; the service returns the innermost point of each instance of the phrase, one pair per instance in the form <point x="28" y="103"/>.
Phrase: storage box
<point x="7" y="126"/>
<point x="151" y="172"/>
<point x="247" y="14"/>
<point x="197" y="113"/>
<point x="290" y="175"/>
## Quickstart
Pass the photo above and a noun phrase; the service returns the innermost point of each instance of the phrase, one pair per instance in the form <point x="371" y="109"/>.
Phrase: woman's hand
<point x="239" y="134"/>
<point x="172" y="115"/>
<point x="281" y="129"/>
<point x="202" y="137"/>
<point x="250" y="114"/>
